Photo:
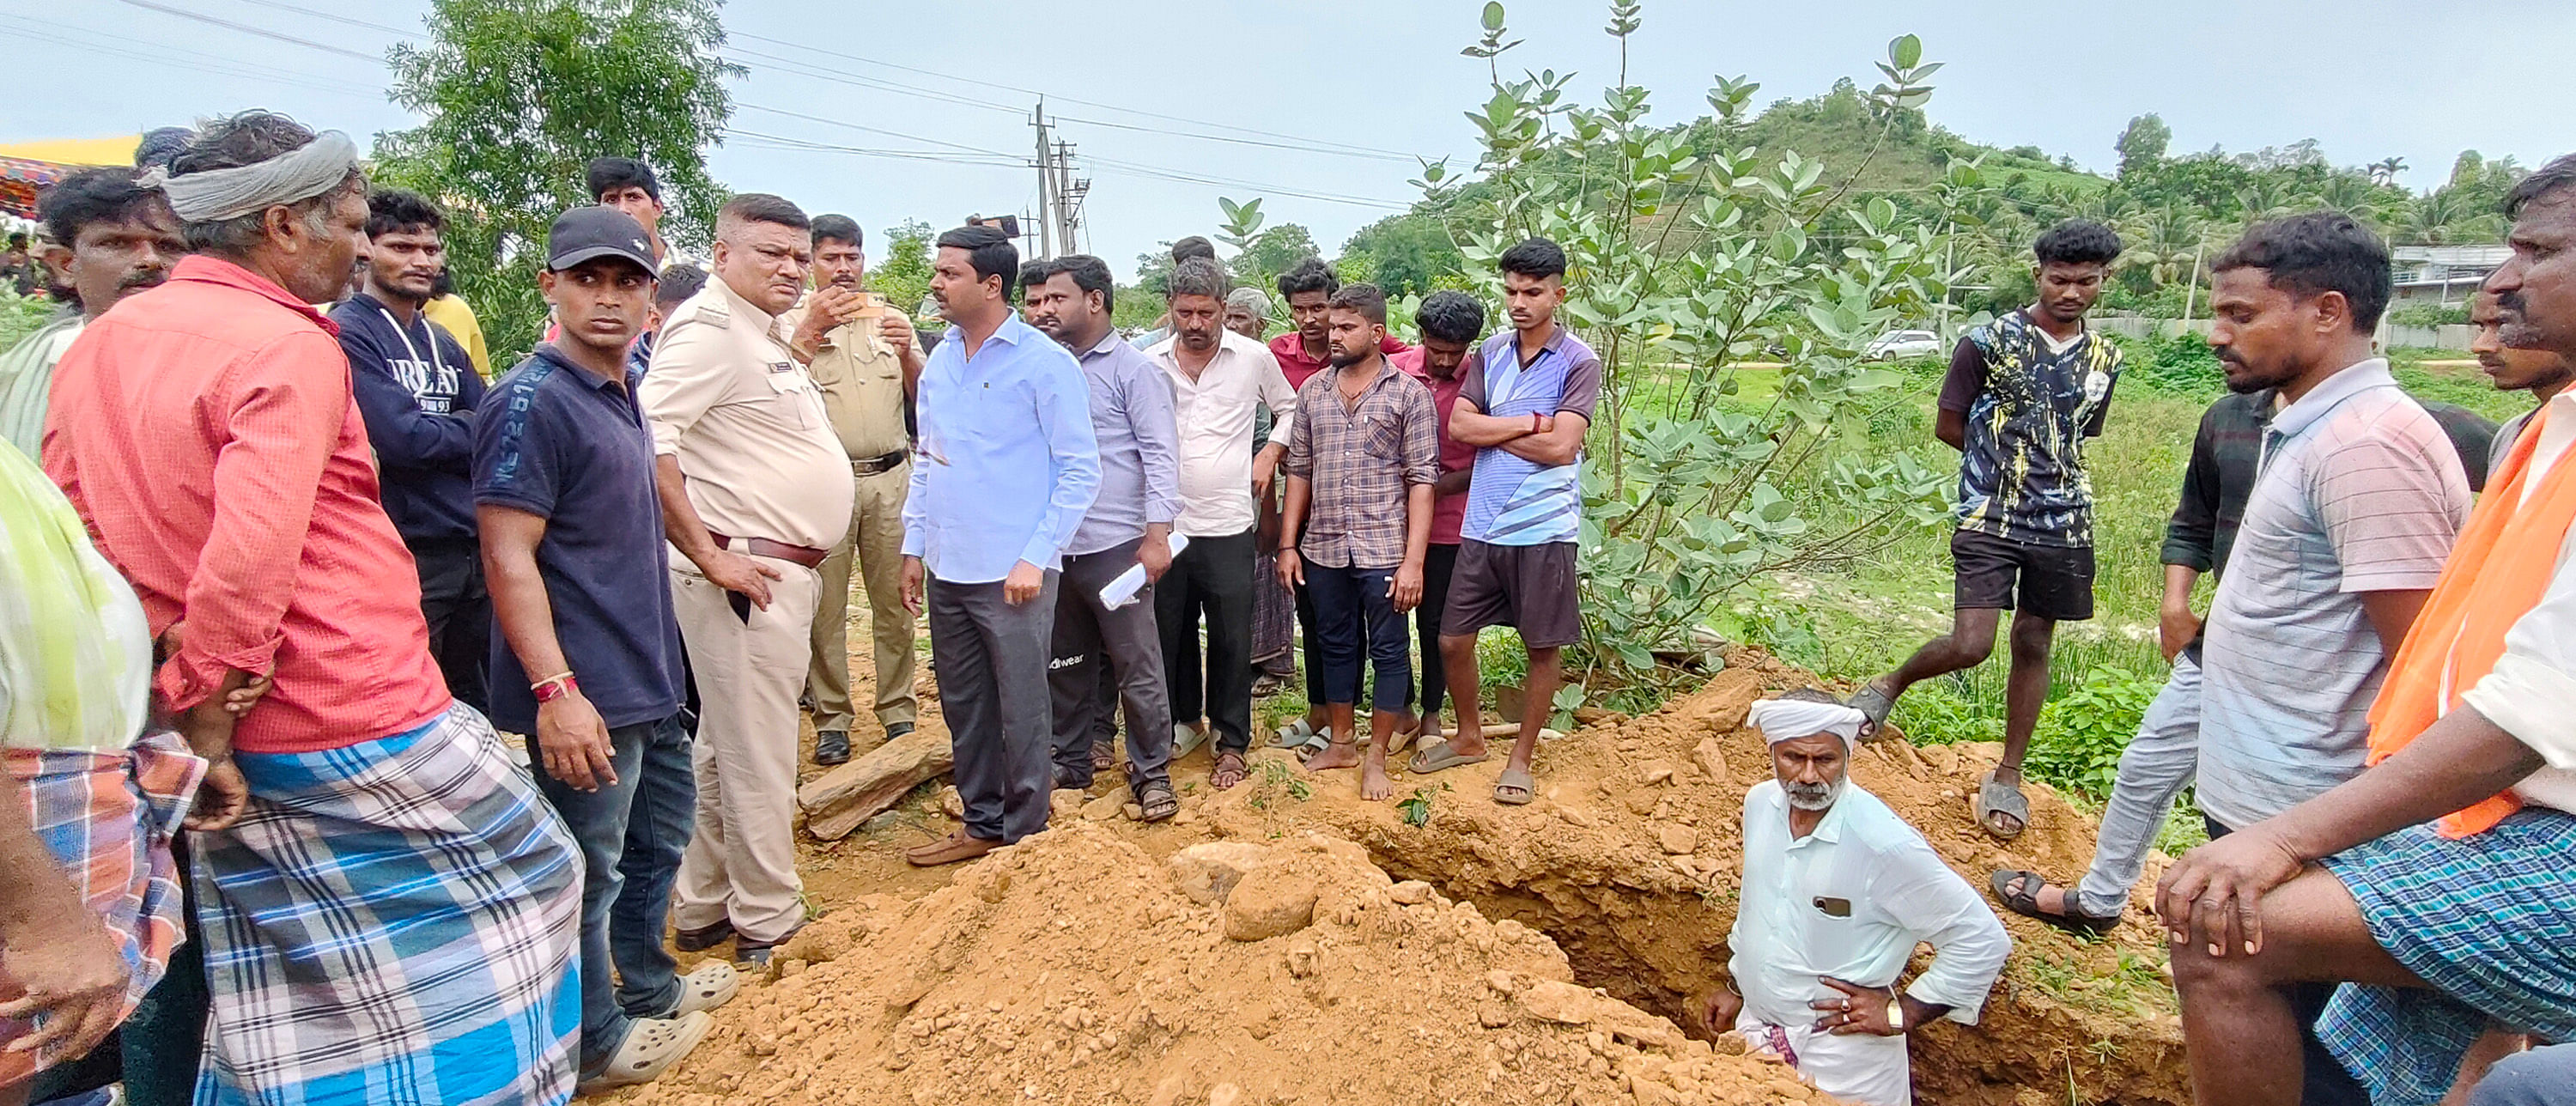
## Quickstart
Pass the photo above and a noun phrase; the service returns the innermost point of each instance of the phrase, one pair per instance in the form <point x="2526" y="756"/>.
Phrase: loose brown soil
<point x="1075" y="968"/>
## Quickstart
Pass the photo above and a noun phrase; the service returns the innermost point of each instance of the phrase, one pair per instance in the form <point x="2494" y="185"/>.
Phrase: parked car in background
<point x="1902" y="343"/>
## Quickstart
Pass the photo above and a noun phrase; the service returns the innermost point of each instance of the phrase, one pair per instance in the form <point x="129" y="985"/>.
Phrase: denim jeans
<point x="632" y="833"/>
<point x="2157" y="765"/>
<point x="1355" y="617"/>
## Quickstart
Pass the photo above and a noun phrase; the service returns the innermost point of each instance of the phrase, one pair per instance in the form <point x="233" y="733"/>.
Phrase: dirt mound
<point x="1630" y="857"/>
<point x="1076" y="968"/>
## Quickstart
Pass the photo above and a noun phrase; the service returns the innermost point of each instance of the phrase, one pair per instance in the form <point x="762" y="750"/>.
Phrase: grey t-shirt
<point x="2359" y="491"/>
<point x="2505" y="436"/>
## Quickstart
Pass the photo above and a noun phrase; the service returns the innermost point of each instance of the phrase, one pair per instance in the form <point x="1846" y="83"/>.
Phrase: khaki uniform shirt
<point x="862" y="383"/>
<point x="747" y="424"/>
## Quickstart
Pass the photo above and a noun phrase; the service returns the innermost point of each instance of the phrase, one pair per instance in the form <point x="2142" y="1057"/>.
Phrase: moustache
<point x="150" y="278"/>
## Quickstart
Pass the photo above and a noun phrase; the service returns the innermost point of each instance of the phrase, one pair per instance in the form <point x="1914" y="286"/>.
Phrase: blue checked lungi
<point x="394" y="922"/>
<point x="107" y="817"/>
<point x="2489" y="921"/>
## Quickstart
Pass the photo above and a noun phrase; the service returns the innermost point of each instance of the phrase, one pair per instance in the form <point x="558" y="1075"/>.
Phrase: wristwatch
<point x="1896" y="1015"/>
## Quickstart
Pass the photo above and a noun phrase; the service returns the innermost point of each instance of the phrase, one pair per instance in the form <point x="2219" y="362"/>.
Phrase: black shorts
<point x="2054" y="582"/>
<point x="1527" y="587"/>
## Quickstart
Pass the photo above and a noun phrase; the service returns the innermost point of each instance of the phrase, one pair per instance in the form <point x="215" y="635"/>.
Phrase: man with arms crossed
<point x="755" y="489"/>
<point x="2426" y="878"/>
<point x="1096" y="647"/>
<point x="589" y="666"/>
<point x="1220" y="379"/>
<point x="1528" y="398"/>
<point x="862" y="356"/>
<point x="1006" y="468"/>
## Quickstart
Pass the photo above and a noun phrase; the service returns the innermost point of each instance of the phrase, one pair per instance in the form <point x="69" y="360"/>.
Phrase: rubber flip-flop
<point x="1185" y="739"/>
<point x="1294" y="735"/>
<point x="2000" y="798"/>
<point x="1515" y="788"/>
<point x="1440" y="757"/>
<point x="2025" y="902"/>
<point x="1874" y="706"/>
<point x="1403" y="739"/>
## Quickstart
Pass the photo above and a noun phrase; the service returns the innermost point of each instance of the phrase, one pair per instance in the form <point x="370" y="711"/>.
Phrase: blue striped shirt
<point x="1512" y="500"/>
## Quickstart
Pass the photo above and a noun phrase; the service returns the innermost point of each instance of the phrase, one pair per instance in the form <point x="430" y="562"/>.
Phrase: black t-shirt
<point x="2029" y="405"/>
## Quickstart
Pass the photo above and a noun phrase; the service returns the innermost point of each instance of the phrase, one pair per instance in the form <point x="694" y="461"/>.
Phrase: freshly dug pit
<point x="1631" y="855"/>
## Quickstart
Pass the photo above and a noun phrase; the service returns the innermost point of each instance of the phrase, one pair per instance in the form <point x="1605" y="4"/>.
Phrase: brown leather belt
<point x="871" y="466"/>
<point x="805" y="555"/>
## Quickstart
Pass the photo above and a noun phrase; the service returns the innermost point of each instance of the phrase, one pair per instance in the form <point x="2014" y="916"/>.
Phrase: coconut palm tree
<point x="2385" y="170"/>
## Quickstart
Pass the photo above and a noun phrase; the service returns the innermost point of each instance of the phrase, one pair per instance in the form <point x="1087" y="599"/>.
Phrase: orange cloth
<point x="2497" y="573"/>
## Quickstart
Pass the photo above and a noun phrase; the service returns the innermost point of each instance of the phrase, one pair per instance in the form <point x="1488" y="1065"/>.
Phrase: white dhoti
<point x="1863" y="1069"/>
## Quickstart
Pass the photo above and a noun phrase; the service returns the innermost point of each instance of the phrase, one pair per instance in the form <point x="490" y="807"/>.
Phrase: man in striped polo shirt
<point x="1528" y="398"/>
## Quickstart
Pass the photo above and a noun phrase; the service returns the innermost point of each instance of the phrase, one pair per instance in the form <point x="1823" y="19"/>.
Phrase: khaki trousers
<point x="876" y="539"/>
<point x="741" y="862"/>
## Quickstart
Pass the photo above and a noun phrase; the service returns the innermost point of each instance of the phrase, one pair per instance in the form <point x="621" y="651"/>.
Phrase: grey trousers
<point x="2158" y="764"/>
<point x="992" y="659"/>
<point x="1127" y="640"/>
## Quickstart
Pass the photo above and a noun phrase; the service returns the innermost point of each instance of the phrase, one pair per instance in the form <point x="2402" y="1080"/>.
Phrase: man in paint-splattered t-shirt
<point x="2022" y="395"/>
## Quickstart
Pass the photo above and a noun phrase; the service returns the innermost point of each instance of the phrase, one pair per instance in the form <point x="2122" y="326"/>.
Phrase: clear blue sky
<point x="2368" y="78"/>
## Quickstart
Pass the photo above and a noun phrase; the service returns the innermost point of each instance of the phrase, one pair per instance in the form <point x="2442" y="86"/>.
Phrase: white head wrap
<point x="215" y="195"/>
<point x="1790" y="719"/>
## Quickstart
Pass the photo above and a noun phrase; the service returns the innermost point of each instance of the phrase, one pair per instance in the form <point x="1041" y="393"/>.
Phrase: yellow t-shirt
<point x="457" y="318"/>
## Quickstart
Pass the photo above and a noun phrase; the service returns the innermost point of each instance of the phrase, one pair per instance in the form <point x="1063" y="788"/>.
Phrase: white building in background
<point x="2445" y="275"/>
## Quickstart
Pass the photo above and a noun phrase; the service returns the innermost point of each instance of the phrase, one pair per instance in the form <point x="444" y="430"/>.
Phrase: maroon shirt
<point x="1448" y="512"/>
<point x="1291" y="352"/>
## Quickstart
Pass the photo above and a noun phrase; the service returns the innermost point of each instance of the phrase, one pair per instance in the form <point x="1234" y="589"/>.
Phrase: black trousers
<point x="2325" y="1082"/>
<point x="1211" y="578"/>
<point x="1438" y="562"/>
<point x="460" y="615"/>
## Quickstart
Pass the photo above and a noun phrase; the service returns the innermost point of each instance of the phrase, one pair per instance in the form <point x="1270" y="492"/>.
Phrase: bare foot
<point x="1340" y="754"/>
<point x="1374" y="786"/>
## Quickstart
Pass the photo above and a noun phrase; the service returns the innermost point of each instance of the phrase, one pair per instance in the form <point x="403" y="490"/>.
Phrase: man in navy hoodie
<point x="417" y="392"/>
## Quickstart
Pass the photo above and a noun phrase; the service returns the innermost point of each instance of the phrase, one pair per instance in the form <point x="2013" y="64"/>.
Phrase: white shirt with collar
<point x="1851" y="900"/>
<point x="1214" y="411"/>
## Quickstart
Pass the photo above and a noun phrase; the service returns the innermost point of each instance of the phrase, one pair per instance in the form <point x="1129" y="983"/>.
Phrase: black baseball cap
<point x="584" y="233"/>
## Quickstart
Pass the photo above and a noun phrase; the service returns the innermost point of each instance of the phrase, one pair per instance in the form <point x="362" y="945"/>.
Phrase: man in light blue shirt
<point x="992" y="508"/>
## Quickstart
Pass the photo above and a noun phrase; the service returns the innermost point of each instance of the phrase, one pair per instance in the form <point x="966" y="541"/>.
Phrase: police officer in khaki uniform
<point x="840" y="334"/>
<point x="755" y="490"/>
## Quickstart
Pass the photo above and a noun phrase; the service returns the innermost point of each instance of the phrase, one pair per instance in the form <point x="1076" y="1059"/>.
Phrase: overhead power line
<point x="171" y="56"/>
<point x="249" y="29"/>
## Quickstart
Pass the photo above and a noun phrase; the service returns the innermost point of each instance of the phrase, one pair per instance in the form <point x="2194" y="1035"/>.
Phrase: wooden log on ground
<point x="837" y="801"/>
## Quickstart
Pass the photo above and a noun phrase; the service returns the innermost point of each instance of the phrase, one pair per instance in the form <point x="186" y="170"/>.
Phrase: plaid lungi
<point x="107" y="818"/>
<point x="393" y="922"/>
<point x="2489" y="921"/>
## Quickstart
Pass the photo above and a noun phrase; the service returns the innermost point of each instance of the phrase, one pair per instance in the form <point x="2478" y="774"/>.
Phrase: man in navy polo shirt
<point x="572" y="545"/>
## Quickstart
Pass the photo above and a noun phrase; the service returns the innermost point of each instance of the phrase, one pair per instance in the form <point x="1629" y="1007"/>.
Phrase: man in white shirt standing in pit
<point x="1837" y="892"/>
<point x="2435" y="878"/>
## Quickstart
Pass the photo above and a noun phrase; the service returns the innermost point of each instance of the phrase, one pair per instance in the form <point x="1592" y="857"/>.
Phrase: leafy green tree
<point x="1684" y="266"/>
<point x="519" y="95"/>
<point x="1408" y="254"/>
<point x="901" y="271"/>
<point x="2142" y="144"/>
